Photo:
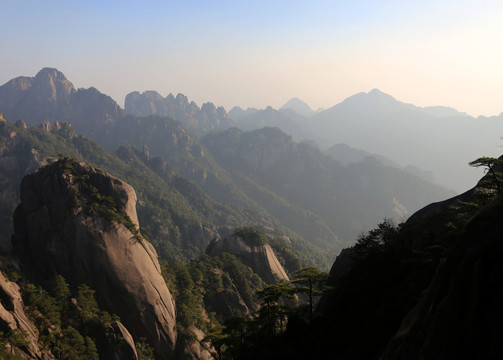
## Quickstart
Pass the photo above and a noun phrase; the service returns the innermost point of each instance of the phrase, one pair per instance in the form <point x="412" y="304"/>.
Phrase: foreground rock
<point x="80" y="222"/>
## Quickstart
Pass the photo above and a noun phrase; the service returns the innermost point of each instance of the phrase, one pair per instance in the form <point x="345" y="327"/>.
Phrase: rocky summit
<point x="80" y="222"/>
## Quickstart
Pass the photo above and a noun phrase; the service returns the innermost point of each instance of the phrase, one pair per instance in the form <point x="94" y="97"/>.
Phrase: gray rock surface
<point x="12" y="316"/>
<point x="261" y="259"/>
<point x="197" y="120"/>
<point x="56" y="235"/>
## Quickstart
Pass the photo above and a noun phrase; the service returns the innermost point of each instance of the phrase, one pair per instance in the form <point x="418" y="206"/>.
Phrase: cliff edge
<point x="81" y="222"/>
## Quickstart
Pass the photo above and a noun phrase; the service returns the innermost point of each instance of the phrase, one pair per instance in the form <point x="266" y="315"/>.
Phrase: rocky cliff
<point x="430" y="288"/>
<point x="80" y="222"/>
<point x="259" y="257"/>
<point x="459" y="315"/>
<point x="50" y="96"/>
<point x="17" y="158"/>
<point x="14" y="318"/>
<point x="197" y="120"/>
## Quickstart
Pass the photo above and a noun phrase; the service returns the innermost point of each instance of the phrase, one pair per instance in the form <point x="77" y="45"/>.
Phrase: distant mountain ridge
<point x="298" y="106"/>
<point x="198" y="120"/>
<point x="50" y="96"/>
<point x="171" y="142"/>
<point x="439" y="139"/>
<point x="344" y="198"/>
<point x="216" y="174"/>
<point x="288" y="120"/>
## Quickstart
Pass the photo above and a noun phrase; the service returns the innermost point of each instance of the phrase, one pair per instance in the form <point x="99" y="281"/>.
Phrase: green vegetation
<point x="384" y="237"/>
<point x="287" y="256"/>
<point x="312" y="282"/>
<point x="143" y="350"/>
<point x="207" y="290"/>
<point x="491" y="185"/>
<point x="251" y="236"/>
<point x="170" y="207"/>
<point x="279" y="303"/>
<point x="88" y="196"/>
<point x="10" y="341"/>
<point x="70" y="329"/>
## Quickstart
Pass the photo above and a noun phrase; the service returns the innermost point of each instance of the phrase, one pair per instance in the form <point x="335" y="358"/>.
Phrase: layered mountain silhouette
<point x="83" y="278"/>
<point x="289" y="204"/>
<point x="434" y="138"/>
<point x="287" y="120"/>
<point x="308" y="179"/>
<point x="298" y="106"/>
<point x="408" y="135"/>
<point x="197" y="120"/>
<point x="428" y="288"/>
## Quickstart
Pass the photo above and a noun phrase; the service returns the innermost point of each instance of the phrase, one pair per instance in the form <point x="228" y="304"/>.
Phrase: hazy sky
<point x="259" y="53"/>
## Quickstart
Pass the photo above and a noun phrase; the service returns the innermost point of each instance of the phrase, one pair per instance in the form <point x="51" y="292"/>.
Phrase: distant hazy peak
<point x="237" y="112"/>
<point x="442" y="111"/>
<point x="298" y="106"/>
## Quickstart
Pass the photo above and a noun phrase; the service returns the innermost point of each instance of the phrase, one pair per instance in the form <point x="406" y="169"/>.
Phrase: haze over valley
<point x="265" y="180"/>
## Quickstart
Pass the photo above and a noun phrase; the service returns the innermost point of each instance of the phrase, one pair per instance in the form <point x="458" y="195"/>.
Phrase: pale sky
<point x="260" y="53"/>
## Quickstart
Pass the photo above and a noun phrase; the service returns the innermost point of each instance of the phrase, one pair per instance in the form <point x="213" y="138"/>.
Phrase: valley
<point x="171" y="231"/>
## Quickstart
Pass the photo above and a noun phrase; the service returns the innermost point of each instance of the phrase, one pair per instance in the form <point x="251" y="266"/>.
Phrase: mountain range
<point x="408" y="135"/>
<point x="286" y="203"/>
<point x="165" y="231"/>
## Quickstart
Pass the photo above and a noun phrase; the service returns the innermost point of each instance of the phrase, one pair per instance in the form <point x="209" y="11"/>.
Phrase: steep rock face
<point x="261" y="259"/>
<point x="44" y="96"/>
<point x="50" y="96"/>
<point x="460" y="314"/>
<point x="16" y="159"/>
<point x="188" y="349"/>
<point x="227" y="304"/>
<point x="435" y="292"/>
<point x="66" y="224"/>
<point x="125" y="349"/>
<point x="198" y="120"/>
<point x="12" y="316"/>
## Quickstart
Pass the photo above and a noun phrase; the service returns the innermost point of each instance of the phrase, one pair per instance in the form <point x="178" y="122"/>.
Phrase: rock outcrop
<point x="197" y="120"/>
<point x="50" y="96"/>
<point x="17" y="158"/>
<point x="187" y="348"/>
<point x="12" y="316"/>
<point x="460" y="314"/>
<point x="80" y="222"/>
<point x="260" y="258"/>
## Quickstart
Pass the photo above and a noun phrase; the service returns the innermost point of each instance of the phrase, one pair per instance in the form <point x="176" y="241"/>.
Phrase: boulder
<point x="81" y="222"/>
